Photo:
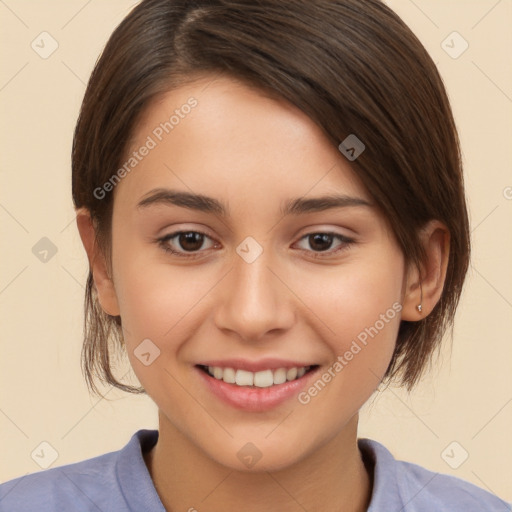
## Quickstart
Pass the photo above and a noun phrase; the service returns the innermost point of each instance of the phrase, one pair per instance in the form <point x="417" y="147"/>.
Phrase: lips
<point x="255" y="366"/>
<point x="261" y="379"/>
<point x="255" y="386"/>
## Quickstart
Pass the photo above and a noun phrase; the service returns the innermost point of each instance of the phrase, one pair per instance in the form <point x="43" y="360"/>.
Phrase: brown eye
<point x="191" y="240"/>
<point x="322" y="242"/>
<point x="182" y="242"/>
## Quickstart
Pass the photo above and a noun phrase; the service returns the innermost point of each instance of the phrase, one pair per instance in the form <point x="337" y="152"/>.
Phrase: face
<point x="252" y="290"/>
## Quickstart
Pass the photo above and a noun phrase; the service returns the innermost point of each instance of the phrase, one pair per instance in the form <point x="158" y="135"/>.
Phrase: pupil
<point x="195" y="239"/>
<point x="320" y="238"/>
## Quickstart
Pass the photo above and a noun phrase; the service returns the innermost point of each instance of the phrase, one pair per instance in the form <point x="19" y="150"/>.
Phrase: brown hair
<point x="352" y="66"/>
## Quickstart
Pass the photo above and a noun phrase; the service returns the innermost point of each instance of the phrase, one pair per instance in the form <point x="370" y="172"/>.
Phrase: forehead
<point x="220" y="137"/>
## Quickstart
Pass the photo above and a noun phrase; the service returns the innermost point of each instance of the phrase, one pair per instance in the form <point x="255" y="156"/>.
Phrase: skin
<point x="252" y="153"/>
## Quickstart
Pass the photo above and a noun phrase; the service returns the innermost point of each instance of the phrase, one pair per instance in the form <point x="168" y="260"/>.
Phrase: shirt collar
<point x="133" y="476"/>
<point x="385" y="489"/>
<point x="140" y="493"/>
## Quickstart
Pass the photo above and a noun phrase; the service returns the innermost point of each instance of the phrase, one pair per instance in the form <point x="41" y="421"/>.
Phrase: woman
<point x="270" y="196"/>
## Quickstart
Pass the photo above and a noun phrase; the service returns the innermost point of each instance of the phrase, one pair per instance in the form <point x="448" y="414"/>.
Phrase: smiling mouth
<point x="262" y="379"/>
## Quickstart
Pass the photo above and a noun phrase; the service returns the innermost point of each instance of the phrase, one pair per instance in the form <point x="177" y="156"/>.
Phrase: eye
<point x="189" y="241"/>
<point x="321" y="242"/>
<point x="187" y="244"/>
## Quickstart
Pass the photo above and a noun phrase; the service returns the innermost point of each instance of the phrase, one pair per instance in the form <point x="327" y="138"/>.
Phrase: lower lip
<point x="255" y="399"/>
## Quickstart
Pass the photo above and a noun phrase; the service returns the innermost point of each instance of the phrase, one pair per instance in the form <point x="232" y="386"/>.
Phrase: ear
<point x="425" y="286"/>
<point x="102" y="280"/>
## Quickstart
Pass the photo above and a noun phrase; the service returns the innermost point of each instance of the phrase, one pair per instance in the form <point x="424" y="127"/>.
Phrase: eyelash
<point x="347" y="242"/>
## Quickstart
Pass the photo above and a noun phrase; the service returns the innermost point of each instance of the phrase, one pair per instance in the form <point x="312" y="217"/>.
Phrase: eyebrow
<point x="207" y="204"/>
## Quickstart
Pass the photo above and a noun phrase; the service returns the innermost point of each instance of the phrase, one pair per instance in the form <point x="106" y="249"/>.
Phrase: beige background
<point x="467" y="398"/>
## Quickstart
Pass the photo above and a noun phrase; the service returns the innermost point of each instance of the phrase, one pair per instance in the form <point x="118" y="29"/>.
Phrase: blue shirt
<point x="120" y="482"/>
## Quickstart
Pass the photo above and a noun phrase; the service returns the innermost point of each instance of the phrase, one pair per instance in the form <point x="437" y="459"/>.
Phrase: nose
<point x="255" y="300"/>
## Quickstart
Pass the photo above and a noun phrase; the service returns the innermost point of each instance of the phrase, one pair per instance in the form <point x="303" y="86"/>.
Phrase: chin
<point x="258" y="457"/>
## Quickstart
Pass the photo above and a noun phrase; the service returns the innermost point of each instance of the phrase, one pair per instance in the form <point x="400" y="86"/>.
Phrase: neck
<point x="332" y="479"/>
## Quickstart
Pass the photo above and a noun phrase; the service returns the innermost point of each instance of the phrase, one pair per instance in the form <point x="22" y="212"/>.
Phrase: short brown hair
<point x="352" y="66"/>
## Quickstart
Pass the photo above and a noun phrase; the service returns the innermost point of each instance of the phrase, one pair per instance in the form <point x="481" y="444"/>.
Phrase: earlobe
<point x="424" y="286"/>
<point x="102" y="280"/>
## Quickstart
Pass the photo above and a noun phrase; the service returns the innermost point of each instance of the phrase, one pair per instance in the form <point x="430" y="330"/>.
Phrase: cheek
<point x="358" y="307"/>
<point x="368" y="310"/>
<point x="354" y="297"/>
<point x="155" y="298"/>
<point x="157" y="303"/>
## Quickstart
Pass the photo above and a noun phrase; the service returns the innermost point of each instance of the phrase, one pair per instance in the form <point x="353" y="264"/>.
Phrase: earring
<point x="419" y="307"/>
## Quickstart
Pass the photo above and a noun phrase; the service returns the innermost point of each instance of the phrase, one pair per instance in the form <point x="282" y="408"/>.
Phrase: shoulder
<point x="77" y="486"/>
<point x="418" y="489"/>
<point x="430" y="488"/>
<point x="89" y="485"/>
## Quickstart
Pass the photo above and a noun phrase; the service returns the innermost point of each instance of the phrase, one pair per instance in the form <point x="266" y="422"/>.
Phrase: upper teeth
<point x="262" y="379"/>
